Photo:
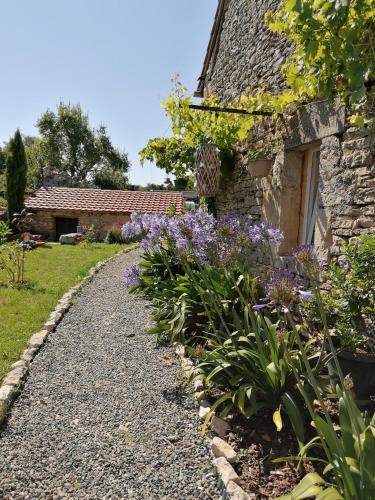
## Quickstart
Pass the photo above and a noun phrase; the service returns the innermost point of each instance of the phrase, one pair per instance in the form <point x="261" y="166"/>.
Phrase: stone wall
<point x="248" y="53"/>
<point x="348" y="185"/>
<point x="346" y="193"/>
<point x="240" y="193"/>
<point x="44" y="221"/>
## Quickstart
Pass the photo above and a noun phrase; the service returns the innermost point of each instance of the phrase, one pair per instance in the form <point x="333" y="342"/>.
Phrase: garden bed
<point x="258" y="444"/>
<point x="249" y="328"/>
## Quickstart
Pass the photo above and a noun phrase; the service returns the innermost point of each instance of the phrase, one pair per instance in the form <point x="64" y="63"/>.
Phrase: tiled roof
<point x="104" y="200"/>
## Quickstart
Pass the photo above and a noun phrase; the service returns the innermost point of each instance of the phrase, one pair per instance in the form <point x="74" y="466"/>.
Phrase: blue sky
<point x="115" y="57"/>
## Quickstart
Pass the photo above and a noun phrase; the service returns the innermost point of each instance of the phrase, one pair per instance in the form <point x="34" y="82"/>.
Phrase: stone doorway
<point x="65" y="225"/>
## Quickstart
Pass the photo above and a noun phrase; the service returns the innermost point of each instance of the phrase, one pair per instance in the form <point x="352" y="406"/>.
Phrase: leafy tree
<point x="37" y="160"/>
<point x="107" y="178"/>
<point x="69" y="145"/>
<point x="16" y="172"/>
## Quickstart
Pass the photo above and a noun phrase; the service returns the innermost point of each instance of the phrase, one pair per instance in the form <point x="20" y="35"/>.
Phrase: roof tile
<point x="104" y="200"/>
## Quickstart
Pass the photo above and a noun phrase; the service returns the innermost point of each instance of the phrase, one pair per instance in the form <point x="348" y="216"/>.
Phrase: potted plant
<point x="259" y="163"/>
<point x="350" y="310"/>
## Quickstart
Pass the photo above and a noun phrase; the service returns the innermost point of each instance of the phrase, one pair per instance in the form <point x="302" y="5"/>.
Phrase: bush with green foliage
<point x="110" y="179"/>
<point x="252" y="369"/>
<point x="114" y="235"/>
<point x="12" y="257"/>
<point x="349" y="446"/>
<point x="350" y="303"/>
<point x="90" y="235"/>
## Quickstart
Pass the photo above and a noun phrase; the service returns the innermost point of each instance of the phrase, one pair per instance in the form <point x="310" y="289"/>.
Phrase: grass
<point x="50" y="272"/>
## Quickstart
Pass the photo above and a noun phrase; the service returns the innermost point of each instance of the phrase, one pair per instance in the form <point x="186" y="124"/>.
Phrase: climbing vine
<point x="334" y="51"/>
<point x="191" y="127"/>
<point x="334" y="57"/>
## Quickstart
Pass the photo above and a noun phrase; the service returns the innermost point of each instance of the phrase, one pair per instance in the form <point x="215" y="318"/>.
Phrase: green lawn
<point x="51" y="270"/>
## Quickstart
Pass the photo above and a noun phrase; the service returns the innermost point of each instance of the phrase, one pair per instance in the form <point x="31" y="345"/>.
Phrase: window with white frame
<point x="311" y="197"/>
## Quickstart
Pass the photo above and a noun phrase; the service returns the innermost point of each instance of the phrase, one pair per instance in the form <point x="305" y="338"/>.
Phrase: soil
<point x="258" y="444"/>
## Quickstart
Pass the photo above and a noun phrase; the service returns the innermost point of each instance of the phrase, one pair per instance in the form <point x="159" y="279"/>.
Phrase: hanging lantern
<point x="207" y="169"/>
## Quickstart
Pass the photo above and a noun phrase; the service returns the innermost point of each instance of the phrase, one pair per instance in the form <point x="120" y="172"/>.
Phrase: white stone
<point x="6" y="393"/>
<point x="15" y="377"/>
<point x="70" y="239"/>
<point x="187" y="366"/>
<point x="198" y="385"/>
<point x="38" y="339"/>
<point x="50" y="326"/>
<point x="219" y="426"/>
<point x="65" y="298"/>
<point x="29" y="354"/>
<point x="204" y="409"/>
<point x="55" y="317"/>
<point x="226" y="471"/>
<point x="235" y="492"/>
<point x="221" y="448"/>
<point x="19" y="364"/>
<point x="60" y="309"/>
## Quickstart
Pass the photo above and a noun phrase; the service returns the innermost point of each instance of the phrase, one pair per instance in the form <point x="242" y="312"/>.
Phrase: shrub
<point x="350" y="304"/>
<point x="12" y="256"/>
<point x="5" y="232"/>
<point x="114" y="235"/>
<point x="252" y="368"/>
<point x="90" y="235"/>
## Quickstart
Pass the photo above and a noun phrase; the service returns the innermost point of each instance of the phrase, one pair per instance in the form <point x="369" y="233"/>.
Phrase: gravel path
<point x="102" y="415"/>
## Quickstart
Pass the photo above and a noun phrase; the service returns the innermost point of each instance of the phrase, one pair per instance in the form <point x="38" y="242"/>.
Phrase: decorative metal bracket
<point x="218" y="109"/>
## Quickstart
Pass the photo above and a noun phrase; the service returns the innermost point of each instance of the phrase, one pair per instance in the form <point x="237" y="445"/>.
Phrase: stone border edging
<point x="224" y="455"/>
<point x="14" y="381"/>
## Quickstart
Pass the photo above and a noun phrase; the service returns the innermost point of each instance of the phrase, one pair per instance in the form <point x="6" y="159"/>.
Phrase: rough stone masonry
<point x="246" y="55"/>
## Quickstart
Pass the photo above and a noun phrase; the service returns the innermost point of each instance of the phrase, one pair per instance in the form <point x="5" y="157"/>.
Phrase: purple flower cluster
<point x="190" y="235"/>
<point x="265" y="233"/>
<point x="282" y="289"/>
<point x="196" y="235"/>
<point x="132" y="276"/>
<point x="135" y="229"/>
<point x="157" y="233"/>
<point x="232" y="240"/>
<point x="305" y="255"/>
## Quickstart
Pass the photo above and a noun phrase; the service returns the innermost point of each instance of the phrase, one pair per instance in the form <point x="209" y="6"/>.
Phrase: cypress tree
<point x="16" y="171"/>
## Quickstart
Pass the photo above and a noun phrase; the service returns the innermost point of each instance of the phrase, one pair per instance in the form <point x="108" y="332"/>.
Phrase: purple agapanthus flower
<point x="306" y="295"/>
<point x="193" y="234"/>
<point x="265" y="233"/>
<point x="132" y="276"/>
<point x="196" y="235"/>
<point x="282" y="287"/>
<point x="306" y="256"/>
<point x="136" y="228"/>
<point x="258" y="307"/>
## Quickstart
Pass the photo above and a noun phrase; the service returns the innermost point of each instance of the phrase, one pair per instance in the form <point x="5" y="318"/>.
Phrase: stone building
<point x="60" y="210"/>
<point x="320" y="186"/>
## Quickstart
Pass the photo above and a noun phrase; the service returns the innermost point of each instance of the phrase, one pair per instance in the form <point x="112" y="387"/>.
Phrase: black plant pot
<point x="361" y="368"/>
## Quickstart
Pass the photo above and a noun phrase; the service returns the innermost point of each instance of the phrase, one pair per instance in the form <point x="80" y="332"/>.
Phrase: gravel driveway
<point x="103" y="414"/>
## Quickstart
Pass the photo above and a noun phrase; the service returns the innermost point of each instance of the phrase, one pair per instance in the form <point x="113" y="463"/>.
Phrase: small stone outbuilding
<point x="319" y="188"/>
<point x="59" y="210"/>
